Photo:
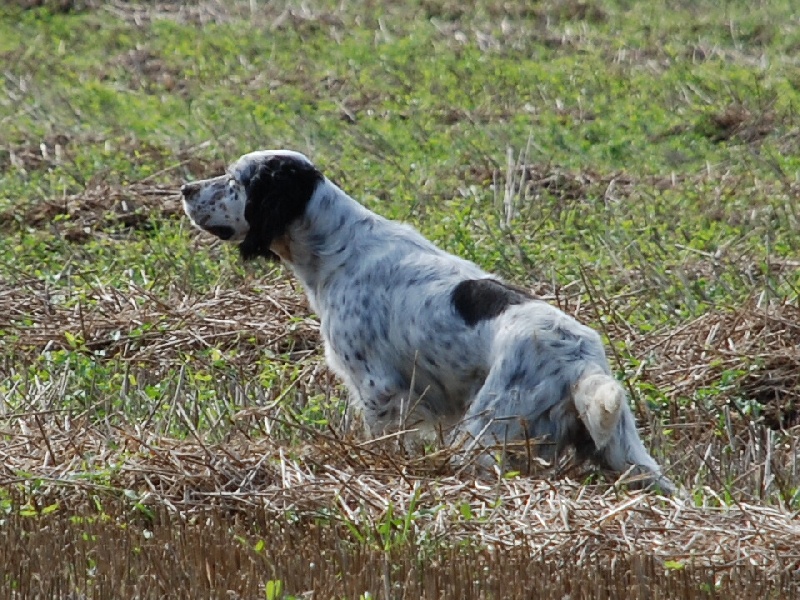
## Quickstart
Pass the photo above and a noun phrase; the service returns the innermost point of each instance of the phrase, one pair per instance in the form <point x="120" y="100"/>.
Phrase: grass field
<point x="168" y="428"/>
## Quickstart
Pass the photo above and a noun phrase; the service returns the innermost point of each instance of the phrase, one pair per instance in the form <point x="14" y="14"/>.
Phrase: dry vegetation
<point x="192" y="514"/>
<point x="168" y="428"/>
<point x="339" y="519"/>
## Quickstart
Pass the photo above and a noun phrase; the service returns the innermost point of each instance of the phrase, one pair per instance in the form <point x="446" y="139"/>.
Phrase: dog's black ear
<point x="278" y="192"/>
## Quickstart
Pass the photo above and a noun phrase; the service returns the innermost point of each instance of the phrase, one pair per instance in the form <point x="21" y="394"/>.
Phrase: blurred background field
<point x="168" y="427"/>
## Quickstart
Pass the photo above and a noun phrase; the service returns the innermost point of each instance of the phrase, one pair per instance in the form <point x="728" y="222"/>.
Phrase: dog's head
<point x="254" y="203"/>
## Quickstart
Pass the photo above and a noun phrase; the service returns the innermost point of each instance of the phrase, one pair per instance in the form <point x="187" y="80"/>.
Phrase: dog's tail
<point x="602" y="406"/>
<point x="599" y="399"/>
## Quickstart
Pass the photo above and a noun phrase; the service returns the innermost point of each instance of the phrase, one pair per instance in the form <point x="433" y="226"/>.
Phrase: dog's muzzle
<point x="189" y="191"/>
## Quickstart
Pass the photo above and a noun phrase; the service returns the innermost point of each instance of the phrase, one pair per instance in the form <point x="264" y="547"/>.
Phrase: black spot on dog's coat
<point x="223" y="232"/>
<point x="278" y="192"/>
<point x="477" y="300"/>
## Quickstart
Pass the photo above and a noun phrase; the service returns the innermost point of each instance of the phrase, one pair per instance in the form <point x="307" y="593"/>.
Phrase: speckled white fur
<point x="410" y="360"/>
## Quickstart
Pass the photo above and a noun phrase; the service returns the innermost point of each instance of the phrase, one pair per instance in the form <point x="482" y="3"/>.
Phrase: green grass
<point x="662" y="137"/>
<point x="653" y="192"/>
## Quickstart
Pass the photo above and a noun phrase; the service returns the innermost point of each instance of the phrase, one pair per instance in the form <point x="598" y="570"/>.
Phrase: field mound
<point x="364" y="503"/>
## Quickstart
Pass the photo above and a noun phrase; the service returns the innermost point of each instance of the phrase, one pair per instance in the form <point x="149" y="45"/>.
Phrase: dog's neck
<point x="324" y="239"/>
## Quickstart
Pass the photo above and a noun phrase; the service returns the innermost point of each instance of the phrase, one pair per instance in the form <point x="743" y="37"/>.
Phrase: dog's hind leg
<point x="625" y="453"/>
<point x="515" y="402"/>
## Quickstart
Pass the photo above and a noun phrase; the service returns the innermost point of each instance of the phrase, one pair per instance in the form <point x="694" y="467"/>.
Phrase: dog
<point x="422" y="339"/>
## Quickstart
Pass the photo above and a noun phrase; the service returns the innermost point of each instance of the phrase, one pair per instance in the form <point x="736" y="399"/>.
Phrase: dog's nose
<point x="189" y="189"/>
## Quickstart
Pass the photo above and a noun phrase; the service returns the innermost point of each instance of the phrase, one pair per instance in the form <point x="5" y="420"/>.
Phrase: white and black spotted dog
<point x="423" y="339"/>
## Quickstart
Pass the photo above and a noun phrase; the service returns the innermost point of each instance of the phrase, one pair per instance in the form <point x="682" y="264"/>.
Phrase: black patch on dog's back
<point x="278" y="191"/>
<point x="477" y="300"/>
